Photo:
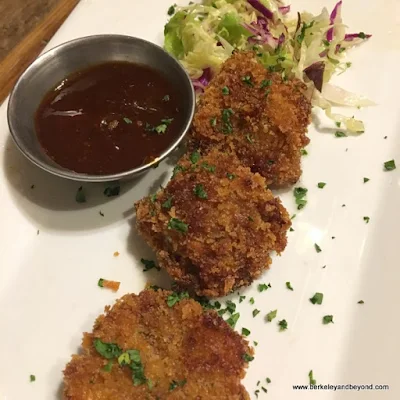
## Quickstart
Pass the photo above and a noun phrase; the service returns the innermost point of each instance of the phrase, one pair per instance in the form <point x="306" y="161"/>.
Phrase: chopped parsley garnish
<point x="100" y="282"/>
<point x="265" y="83"/>
<point x="302" y="34"/>
<point x="340" y="134"/>
<point x="327" y="319"/>
<point x="226" y="118"/>
<point x="127" y="120"/>
<point x="282" y="325"/>
<point x="366" y="219"/>
<point x="247" y="80"/>
<point x="217" y="305"/>
<point x="108" y="366"/>
<point x="338" y="124"/>
<point x="230" y="306"/>
<point x="247" y="357"/>
<point x="200" y="192"/>
<point x="291" y="229"/>
<point x="317" y="298"/>
<point x="208" y="167"/>
<point x="389" y="165"/>
<point x="268" y="380"/>
<point x="32" y="378"/>
<point x="249" y="138"/>
<point x="174" y="384"/>
<point x="317" y="248"/>
<point x="112" y="190"/>
<point x="299" y="195"/>
<point x="262" y="287"/>
<point x="167" y="203"/>
<point x="163" y="126"/>
<point x="255" y="343"/>
<point x="107" y="350"/>
<point x="366" y="180"/>
<point x="271" y="315"/>
<point x="177" y="225"/>
<point x="149" y="264"/>
<point x="171" y="10"/>
<point x="264" y="389"/>
<point x="165" y="98"/>
<point x="362" y="35"/>
<point x="289" y="286"/>
<point x="303" y="152"/>
<point x="311" y="378"/>
<point x="80" y="196"/>
<point x="194" y="157"/>
<point x="177" y="169"/>
<point x="225" y="90"/>
<point x="326" y="43"/>
<point x="251" y="301"/>
<point x="255" y="312"/>
<point x="213" y="121"/>
<point x="230" y="176"/>
<point x="360" y="302"/>
<point x="174" y="298"/>
<point x="321" y="185"/>
<point x="245" y="332"/>
<point x="133" y="360"/>
<point x="232" y="320"/>
<point x="241" y="298"/>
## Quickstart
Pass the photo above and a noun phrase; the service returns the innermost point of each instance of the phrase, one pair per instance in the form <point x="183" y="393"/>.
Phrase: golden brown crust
<point x="175" y="343"/>
<point x="268" y="130"/>
<point x="230" y="234"/>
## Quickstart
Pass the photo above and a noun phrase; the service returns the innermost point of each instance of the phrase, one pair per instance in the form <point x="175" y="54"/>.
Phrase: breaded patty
<point x="158" y="345"/>
<point x="214" y="225"/>
<point x="257" y="115"/>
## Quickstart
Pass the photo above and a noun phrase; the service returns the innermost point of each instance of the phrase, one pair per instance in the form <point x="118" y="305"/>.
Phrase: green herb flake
<point x="247" y="80"/>
<point x="194" y="157"/>
<point x="299" y="195"/>
<point x="251" y="301"/>
<point x="289" y="286"/>
<point x="366" y="180"/>
<point x="325" y="43"/>
<point x="174" y="298"/>
<point x="360" y="302"/>
<point x="283" y="325"/>
<point x="245" y="332"/>
<point x="241" y="298"/>
<point x="226" y="118"/>
<point x="161" y="128"/>
<point x="166" y="98"/>
<point x="317" y="248"/>
<point x="338" y="124"/>
<point x="167" y="203"/>
<point x="340" y="134"/>
<point x="100" y="282"/>
<point x="264" y="389"/>
<point x="327" y="319"/>
<point x="149" y="265"/>
<point x="108" y="366"/>
<point x="112" y="189"/>
<point x="262" y="287"/>
<point x="321" y="185"/>
<point x="175" y="384"/>
<point x="230" y="176"/>
<point x="303" y="152"/>
<point x="232" y="320"/>
<point x="247" y="357"/>
<point x="265" y="83"/>
<point x="366" y="219"/>
<point x="317" y="298"/>
<point x="177" y="169"/>
<point x="171" y="10"/>
<point x="217" y="305"/>
<point x="362" y="35"/>
<point x="311" y="378"/>
<point x="225" y="90"/>
<point x="209" y="168"/>
<point x="389" y="165"/>
<point x="32" y="378"/>
<point x="213" y="121"/>
<point x="255" y="312"/>
<point x="230" y="306"/>
<point x="255" y="343"/>
<point x="271" y="315"/>
<point x="177" y="225"/>
<point x="80" y="196"/>
<point x="268" y="380"/>
<point x="291" y="229"/>
<point x="107" y="350"/>
<point x="200" y="192"/>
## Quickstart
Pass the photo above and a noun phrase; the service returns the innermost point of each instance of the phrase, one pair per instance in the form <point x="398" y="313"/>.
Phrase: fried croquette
<point x="257" y="114"/>
<point x="158" y="345"/>
<point x="214" y="225"/>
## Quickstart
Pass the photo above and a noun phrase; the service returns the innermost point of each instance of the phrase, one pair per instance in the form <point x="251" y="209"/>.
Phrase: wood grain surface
<point x="27" y="49"/>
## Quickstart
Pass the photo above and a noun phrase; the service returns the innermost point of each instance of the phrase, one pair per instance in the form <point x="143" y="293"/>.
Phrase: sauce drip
<point x="109" y="118"/>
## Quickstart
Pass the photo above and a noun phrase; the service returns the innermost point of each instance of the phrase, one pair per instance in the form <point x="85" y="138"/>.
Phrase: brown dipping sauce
<point x="109" y="118"/>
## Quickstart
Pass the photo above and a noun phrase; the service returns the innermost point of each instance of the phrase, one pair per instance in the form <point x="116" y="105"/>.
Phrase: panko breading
<point x="267" y="122"/>
<point x="158" y="347"/>
<point x="214" y="225"/>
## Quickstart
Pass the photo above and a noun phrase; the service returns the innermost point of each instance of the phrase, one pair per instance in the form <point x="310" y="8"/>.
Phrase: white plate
<point x="48" y="281"/>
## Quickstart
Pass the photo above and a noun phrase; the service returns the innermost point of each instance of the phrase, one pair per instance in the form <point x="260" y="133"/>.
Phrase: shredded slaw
<point x="309" y="47"/>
